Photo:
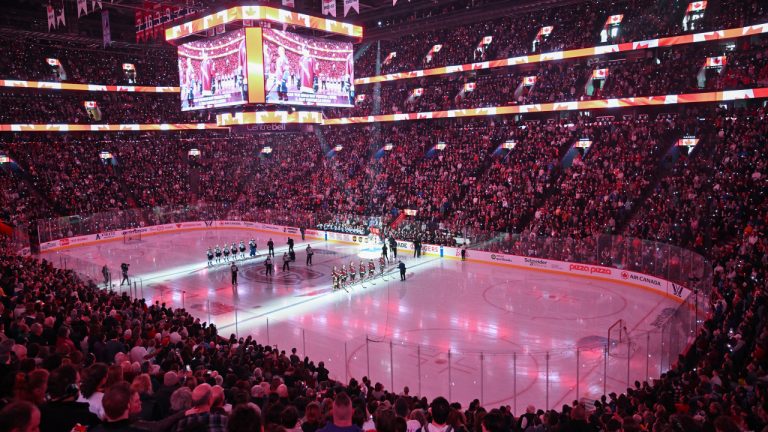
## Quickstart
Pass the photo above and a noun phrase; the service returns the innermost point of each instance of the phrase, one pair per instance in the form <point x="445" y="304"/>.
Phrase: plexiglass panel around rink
<point x="478" y="361"/>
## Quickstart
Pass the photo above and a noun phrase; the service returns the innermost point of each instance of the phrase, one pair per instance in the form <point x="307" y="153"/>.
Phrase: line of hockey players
<point x="346" y="275"/>
<point x="230" y="253"/>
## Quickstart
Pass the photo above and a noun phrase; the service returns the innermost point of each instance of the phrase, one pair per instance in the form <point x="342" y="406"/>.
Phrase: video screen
<point x="300" y="70"/>
<point x="212" y="72"/>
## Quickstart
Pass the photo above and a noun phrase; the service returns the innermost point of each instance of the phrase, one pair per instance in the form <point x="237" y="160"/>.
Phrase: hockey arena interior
<point x="364" y="216"/>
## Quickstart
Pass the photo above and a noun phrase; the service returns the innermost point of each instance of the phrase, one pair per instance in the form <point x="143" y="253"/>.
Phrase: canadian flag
<point x="469" y="87"/>
<point x="91" y="104"/>
<point x="128" y="67"/>
<point x="389" y="58"/>
<point x="697" y="6"/>
<point x="545" y="31"/>
<point x="360" y="98"/>
<point x="417" y="92"/>
<point x="718" y="61"/>
<point x="53" y="62"/>
<point x="689" y="142"/>
<point x="529" y="80"/>
<point x="435" y="49"/>
<point x="600" y="73"/>
<point x="486" y="40"/>
<point x="614" y="19"/>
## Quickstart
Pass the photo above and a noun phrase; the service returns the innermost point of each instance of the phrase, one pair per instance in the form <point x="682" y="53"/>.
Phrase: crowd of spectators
<point x="74" y="354"/>
<point x="574" y="26"/>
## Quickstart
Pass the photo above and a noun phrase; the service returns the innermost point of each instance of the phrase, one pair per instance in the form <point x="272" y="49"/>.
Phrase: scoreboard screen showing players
<point x="301" y="70"/>
<point x="263" y="65"/>
<point x="212" y="72"/>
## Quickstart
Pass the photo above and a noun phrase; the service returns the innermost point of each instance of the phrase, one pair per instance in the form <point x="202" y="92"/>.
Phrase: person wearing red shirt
<point x="309" y="70"/>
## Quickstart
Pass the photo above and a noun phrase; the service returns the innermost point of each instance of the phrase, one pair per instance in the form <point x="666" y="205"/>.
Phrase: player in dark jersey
<point x="209" y="253"/>
<point x="343" y="275"/>
<point x="218" y="254"/>
<point x="352" y="273"/>
<point x="381" y="265"/>
<point x="252" y="245"/>
<point x="225" y="250"/>
<point x="233" y="250"/>
<point x="335" y="279"/>
<point x="242" y="249"/>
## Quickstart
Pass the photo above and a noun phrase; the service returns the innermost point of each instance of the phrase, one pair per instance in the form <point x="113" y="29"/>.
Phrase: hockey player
<point x="362" y="270"/>
<point x="225" y="250"/>
<point x="343" y="275"/>
<point x="209" y="253"/>
<point x="218" y="254"/>
<point x="242" y="249"/>
<point x="335" y="279"/>
<point x="352" y="273"/>
<point x="233" y="250"/>
<point x="252" y="245"/>
<point x="371" y="269"/>
<point x="381" y="265"/>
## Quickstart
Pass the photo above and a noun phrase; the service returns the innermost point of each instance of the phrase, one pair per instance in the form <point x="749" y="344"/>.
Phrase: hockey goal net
<point x="132" y="237"/>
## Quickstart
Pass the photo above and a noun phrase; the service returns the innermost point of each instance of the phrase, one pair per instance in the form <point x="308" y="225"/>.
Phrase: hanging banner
<point x="329" y="7"/>
<point x="351" y="4"/>
<point x="288" y="3"/>
<point x="51" y="17"/>
<point x="82" y="8"/>
<point x="106" y="31"/>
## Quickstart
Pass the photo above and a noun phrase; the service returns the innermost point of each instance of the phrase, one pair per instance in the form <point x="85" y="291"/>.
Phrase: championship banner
<point x="60" y="18"/>
<point x="51" y="17"/>
<point x="715" y="62"/>
<point x="82" y="8"/>
<point x="696" y="6"/>
<point x="289" y="3"/>
<point x="106" y="31"/>
<point x="329" y="7"/>
<point x="614" y="20"/>
<point x="351" y="4"/>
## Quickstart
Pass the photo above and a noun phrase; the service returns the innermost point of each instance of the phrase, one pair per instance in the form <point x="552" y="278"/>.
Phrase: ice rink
<point x="460" y="329"/>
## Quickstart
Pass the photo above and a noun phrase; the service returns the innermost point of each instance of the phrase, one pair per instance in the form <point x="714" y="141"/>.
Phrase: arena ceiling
<point x="379" y="18"/>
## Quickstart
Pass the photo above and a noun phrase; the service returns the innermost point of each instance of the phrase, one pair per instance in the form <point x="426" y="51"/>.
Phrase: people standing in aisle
<point x="393" y="246"/>
<point x="401" y="266"/>
<point x="233" y="268"/>
<point x="105" y="272"/>
<point x="268" y="266"/>
<point x="290" y="244"/>
<point x="310" y="252"/>
<point x="271" y="246"/>
<point x="286" y="262"/>
<point x="384" y="251"/>
<point x="124" y="268"/>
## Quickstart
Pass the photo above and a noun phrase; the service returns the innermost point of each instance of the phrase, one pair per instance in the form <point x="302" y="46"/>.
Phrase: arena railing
<point x="493" y="366"/>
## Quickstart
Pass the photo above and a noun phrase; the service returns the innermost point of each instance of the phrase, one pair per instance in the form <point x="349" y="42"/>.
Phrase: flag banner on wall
<point x="329" y="7"/>
<point x="351" y="4"/>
